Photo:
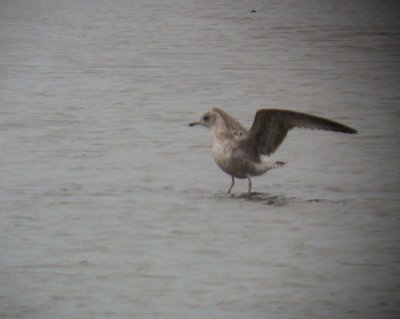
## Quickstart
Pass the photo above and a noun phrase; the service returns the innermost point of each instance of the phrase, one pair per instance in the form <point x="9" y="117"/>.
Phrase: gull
<point x="243" y="153"/>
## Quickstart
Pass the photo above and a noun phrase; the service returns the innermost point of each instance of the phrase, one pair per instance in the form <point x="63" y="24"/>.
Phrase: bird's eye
<point x="206" y="118"/>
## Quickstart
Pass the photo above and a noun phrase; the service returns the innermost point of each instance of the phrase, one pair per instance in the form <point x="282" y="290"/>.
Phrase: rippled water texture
<point x="112" y="207"/>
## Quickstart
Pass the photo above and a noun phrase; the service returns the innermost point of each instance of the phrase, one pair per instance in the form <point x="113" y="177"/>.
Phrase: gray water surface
<point x="112" y="207"/>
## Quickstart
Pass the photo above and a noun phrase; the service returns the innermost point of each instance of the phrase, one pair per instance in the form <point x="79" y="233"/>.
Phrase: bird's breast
<point x="222" y="151"/>
<point x="225" y="155"/>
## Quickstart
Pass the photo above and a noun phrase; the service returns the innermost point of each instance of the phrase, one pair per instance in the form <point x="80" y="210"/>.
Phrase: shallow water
<point x="112" y="207"/>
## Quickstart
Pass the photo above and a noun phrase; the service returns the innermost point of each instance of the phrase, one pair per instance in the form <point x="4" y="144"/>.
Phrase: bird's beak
<point x="194" y="123"/>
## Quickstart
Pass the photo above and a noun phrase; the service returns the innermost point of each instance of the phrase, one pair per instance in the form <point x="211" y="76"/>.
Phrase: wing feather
<point x="271" y="126"/>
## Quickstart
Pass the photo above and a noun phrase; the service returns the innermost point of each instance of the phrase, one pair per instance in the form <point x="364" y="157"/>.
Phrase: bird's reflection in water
<point x="278" y="199"/>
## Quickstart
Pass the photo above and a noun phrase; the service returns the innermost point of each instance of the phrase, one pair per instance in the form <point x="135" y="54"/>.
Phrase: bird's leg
<point x="233" y="183"/>
<point x="250" y="184"/>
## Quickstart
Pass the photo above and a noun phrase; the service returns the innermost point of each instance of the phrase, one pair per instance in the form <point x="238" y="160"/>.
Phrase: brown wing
<point x="270" y="128"/>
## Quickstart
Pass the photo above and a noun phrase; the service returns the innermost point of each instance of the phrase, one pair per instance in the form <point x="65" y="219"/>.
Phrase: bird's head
<point x="208" y="119"/>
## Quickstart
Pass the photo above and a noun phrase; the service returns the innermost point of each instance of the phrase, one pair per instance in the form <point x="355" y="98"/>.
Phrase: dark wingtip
<point x="338" y="127"/>
<point x="349" y="130"/>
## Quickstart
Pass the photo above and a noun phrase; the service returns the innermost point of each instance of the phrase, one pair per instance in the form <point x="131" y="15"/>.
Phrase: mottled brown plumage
<point x="242" y="153"/>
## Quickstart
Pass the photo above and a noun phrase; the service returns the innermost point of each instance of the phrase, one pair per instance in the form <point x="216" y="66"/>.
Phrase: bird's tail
<point x="271" y="163"/>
